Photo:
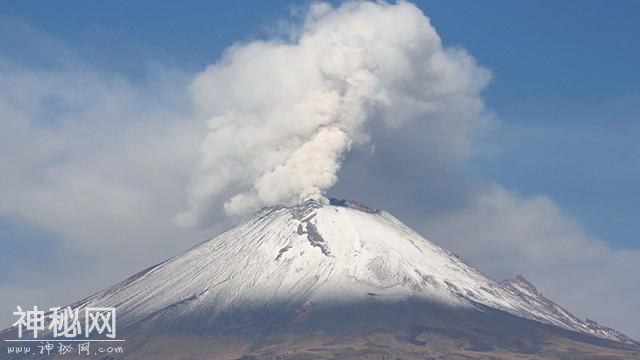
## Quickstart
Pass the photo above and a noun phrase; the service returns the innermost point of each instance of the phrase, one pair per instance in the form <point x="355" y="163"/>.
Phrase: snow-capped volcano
<point x="318" y="254"/>
<point x="338" y="280"/>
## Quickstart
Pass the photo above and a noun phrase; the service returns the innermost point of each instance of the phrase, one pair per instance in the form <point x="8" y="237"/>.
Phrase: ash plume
<point x="282" y="114"/>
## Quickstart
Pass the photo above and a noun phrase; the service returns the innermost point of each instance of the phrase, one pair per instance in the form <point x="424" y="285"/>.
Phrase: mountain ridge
<point x="530" y="294"/>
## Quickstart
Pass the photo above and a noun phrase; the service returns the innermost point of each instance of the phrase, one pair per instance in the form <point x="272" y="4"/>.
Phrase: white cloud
<point x="89" y="154"/>
<point x="505" y="234"/>
<point x="272" y="105"/>
<point x="95" y="160"/>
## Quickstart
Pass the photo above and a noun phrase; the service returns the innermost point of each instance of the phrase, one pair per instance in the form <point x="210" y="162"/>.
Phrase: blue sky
<point x="565" y="90"/>
<point x="565" y="81"/>
<point x="566" y="87"/>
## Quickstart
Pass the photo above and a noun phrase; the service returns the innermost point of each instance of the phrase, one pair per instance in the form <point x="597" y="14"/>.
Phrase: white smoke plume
<point x="282" y="114"/>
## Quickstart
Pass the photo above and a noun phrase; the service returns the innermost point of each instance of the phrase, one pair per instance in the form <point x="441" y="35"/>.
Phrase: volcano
<point x="339" y="280"/>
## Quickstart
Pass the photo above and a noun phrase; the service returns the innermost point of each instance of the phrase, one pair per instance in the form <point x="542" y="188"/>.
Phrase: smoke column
<point x="282" y="114"/>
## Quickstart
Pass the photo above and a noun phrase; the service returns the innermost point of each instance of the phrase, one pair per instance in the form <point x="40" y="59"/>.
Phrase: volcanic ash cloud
<point x="282" y="114"/>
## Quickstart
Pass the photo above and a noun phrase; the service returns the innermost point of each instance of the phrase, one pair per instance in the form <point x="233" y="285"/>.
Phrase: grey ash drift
<point x="349" y="203"/>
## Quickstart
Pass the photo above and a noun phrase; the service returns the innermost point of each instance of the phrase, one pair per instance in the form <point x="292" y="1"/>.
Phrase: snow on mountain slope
<point x="316" y="253"/>
<point x="528" y="293"/>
